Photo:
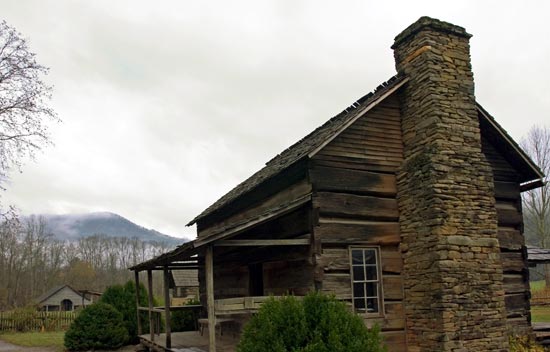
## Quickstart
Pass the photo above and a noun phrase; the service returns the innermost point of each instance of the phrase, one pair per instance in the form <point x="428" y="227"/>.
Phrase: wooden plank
<point x="257" y="243"/>
<point x="515" y="283"/>
<point x="150" y="297"/>
<point x="512" y="261"/>
<point x="510" y="238"/>
<point x="167" y="322"/>
<point x="507" y="190"/>
<point x="352" y="163"/>
<point x="295" y="191"/>
<point x="516" y="304"/>
<point x="349" y="205"/>
<point x="393" y="287"/>
<point x="355" y="181"/>
<point x="395" y="340"/>
<point x="337" y="231"/>
<point x="508" y="215"/>
<point x="334" y="259"/>
<point x="209" y="268"/>
<point x="338" y="284"/>
<point x="359" y="116"/>
<point x="392" y="262"/>
<point x="393" y="319"/>
<point x="139" y="327"/>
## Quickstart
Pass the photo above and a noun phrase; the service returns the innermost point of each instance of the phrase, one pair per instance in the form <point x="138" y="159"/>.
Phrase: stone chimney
<point x="453" y="277"/>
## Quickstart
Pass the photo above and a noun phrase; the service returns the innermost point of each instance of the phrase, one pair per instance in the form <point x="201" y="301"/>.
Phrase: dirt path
<point x="8" y="347"/>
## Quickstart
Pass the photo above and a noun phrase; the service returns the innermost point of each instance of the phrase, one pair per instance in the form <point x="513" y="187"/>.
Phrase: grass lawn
<point x="35" y="339"/>
<point x="540" y="314"/>
<point x="537" y="285"/>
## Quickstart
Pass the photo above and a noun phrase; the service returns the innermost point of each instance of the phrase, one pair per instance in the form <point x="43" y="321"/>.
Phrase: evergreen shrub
<point x="123" y="299"/>
<point x="98" y="326"/>
<point x="317" y="323"/>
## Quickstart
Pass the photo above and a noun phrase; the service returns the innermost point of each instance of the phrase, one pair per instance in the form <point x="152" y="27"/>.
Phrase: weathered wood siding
<point x="512" y="242"/>
<point x="353" y="179"/>
<point x="285" y="196"/>
<point x="286" y="269"/>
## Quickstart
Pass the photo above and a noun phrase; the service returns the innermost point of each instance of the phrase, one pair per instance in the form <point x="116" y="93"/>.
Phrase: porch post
<point x="167" y="307"/>
<point x="136" y="275"/>
<point x="150" y="292"/>
<point x="209" y="268"/>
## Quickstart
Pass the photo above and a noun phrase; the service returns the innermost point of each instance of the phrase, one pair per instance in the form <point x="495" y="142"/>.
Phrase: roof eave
<point x="535" y="170"/>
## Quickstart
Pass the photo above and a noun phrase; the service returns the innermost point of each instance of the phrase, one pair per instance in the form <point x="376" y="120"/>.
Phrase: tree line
<point x="33" y="261"/>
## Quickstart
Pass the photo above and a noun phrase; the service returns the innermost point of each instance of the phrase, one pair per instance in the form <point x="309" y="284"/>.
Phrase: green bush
<point x="123" y="298"/>
<point x="183" y="320"/>
<point x="318" y="323"/>
<point x="98" y="326"/>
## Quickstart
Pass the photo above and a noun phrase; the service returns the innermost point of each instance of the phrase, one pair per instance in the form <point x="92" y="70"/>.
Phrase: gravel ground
<point x="8" y="347"/>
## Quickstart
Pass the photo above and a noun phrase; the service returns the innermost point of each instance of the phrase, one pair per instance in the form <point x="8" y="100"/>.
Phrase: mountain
<point x="74" y="226"/>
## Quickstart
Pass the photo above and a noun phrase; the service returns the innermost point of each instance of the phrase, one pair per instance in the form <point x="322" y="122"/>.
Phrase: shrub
<point x="123" y="299"/>
<point x="98" y="326"/>
<point x="524" y="344"/>
<point x="183" y="320"/>
<point x="318" y="323"/>
<point x="24" y="317"/>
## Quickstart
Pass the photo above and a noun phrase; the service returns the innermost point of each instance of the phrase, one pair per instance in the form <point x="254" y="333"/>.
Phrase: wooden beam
<point x="150" y="295"/>
<point x="139" y="328"/>
<point x="209" y="268"/>
<point x="168" y="327"/>
<point x="279" y="242"/>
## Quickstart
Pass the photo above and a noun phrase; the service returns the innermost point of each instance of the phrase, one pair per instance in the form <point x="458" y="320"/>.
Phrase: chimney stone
<point x="453" y="279"/>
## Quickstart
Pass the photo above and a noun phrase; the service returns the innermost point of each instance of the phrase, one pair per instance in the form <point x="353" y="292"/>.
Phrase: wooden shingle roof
<point x="186" y="278"/>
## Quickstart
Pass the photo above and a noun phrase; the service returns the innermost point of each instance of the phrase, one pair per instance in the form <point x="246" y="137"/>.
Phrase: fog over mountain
<point x="74" y="226"/>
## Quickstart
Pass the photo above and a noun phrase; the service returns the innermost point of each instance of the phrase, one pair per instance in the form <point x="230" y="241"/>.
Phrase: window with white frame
<point x="365" y="276"/>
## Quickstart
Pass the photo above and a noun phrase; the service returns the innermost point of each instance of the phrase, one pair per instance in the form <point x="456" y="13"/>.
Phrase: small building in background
<point x="185" y="286"/>
<point x="66" y="298"/>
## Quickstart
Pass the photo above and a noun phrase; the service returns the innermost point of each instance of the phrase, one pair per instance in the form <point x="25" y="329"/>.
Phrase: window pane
<point x="370" y="256"/>
<point x="372" y="289"/>
<point x="358" y="273"/>
<point x="371" y="273"/>
<point x="359" y="290"/>
<point x="357" y="256"/>
<point x="359" y="305"/>
<point x="372" y="305"/>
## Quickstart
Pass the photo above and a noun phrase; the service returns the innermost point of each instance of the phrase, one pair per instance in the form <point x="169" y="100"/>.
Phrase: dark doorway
<point x="256" y="283"/>
<point x="66" y="305"/>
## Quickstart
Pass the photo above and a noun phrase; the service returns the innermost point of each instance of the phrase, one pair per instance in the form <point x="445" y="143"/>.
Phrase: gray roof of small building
<point x="186" y="278"/>
<point x="536" y="255"/>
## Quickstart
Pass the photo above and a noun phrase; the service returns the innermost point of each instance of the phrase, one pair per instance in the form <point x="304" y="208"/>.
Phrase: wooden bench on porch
<point x="220" y="322"/>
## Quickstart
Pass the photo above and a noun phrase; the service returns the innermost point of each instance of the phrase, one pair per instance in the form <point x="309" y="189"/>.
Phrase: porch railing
<point x="240" y="305"/>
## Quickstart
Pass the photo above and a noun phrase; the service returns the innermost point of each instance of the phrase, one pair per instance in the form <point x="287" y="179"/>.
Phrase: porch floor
<point x="192" y="341"/>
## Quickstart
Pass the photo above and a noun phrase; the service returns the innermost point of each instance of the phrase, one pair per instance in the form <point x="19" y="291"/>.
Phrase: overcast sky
<point x="167" y="105"/>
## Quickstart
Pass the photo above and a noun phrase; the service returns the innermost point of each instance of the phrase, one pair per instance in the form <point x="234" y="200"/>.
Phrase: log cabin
<point x="406" y="205"/>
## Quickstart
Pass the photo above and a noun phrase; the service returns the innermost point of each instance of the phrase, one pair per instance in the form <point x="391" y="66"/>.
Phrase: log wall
<point x="353" y="180"/>
<point x="512" y="243"/>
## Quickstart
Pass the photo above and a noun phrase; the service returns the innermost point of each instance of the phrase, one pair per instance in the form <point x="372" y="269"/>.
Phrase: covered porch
<point x="239" y="267"/>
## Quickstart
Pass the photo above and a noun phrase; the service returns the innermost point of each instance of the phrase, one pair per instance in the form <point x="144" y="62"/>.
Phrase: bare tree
<point x="536" y="202"/>
<point x="24" y="97"/>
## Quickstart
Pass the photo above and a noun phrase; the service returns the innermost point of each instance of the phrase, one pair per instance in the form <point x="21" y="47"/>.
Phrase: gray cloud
<point x="167" y="105"/>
